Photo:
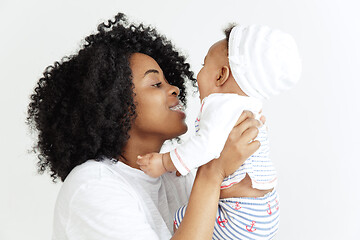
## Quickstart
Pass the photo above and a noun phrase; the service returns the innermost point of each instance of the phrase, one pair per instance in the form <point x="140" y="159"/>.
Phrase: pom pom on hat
<point x="263" y="61"/>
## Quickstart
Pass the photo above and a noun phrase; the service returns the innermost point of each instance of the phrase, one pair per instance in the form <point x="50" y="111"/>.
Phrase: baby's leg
<point x="243" y="189"/>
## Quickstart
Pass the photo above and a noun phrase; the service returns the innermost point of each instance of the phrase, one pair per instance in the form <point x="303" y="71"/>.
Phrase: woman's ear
<point x="223" y="76"/>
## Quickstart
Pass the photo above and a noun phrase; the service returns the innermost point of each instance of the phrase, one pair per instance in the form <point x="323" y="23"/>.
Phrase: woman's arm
<point x="199" y="219"/>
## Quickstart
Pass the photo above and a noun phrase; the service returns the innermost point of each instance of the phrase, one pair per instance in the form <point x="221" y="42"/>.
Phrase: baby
<point x="253" y="63"/>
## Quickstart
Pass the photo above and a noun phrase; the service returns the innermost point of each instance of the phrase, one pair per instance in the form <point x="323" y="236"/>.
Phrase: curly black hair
<point x="83" y="106"/>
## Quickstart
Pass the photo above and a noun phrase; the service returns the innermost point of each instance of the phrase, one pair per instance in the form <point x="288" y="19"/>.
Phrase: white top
<point x="107" y="200"/>
<point x="218" y="115"/>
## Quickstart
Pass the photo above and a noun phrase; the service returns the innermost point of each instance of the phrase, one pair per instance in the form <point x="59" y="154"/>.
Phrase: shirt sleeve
<point x="102" y="209"/>
<point x="218" y="117"/>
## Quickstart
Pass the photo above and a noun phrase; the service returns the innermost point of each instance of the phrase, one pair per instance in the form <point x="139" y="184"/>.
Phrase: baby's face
<point x="211" y="70"/>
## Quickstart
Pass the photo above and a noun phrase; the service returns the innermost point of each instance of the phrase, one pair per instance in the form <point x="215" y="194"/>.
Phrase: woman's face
<point x="156" y="101"/>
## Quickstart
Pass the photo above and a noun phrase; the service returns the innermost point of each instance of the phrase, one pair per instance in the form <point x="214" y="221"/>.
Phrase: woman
<point x="96" y="111"/>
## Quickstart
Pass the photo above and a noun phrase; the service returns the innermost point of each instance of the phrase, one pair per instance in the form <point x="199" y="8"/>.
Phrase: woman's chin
<point x="185" y="129"/>
<point x="179" y="131"/>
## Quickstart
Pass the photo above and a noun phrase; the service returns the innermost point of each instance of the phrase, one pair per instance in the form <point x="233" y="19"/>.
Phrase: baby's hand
<point x="152" y="164"/>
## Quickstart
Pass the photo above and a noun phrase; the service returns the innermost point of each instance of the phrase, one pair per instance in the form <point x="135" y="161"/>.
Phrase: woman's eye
<point x="157" y="84"/>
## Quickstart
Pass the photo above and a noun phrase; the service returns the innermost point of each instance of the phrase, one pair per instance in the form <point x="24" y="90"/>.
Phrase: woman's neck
<point x="139" y="145"/>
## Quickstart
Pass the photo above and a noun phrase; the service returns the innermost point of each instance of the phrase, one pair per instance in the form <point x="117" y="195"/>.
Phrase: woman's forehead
<point x="140" y="63"/>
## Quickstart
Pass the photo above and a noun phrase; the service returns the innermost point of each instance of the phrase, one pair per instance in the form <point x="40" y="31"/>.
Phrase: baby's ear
<point x="223" y="76"/>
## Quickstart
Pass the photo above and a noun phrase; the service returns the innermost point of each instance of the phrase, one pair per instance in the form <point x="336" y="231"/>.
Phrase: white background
<point x="314" y="128"/>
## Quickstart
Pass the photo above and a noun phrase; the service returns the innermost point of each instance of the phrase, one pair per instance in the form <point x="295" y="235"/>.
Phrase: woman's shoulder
<point x="91" y="170"/>
<point x="94" y="191"/>
<point x="92" y="175"/>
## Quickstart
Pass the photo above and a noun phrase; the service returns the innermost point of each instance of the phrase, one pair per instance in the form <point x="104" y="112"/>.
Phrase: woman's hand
<point x="239" y="146"/>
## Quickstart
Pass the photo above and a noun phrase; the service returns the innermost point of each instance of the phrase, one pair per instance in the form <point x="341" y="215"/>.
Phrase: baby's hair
<point x="227" y="31"/>
<point x="83" y="106"/>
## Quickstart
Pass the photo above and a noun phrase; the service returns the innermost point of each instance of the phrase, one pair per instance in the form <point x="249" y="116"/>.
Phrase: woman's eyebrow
<point x="154" y="71"/>
<point x="151" y="71"/>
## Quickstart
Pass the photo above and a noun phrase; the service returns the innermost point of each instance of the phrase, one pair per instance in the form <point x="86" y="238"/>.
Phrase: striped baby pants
<point x="244" y="218"/>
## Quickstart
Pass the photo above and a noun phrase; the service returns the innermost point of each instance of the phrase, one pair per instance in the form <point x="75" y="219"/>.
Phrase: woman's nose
<point x="174" y="90"/>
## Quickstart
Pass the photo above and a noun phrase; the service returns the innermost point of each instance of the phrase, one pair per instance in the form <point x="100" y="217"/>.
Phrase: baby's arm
<point x="156" y="164"/>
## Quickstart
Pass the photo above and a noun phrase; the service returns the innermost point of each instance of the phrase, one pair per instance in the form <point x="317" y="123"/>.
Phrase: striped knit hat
<point x="263" y="61"/>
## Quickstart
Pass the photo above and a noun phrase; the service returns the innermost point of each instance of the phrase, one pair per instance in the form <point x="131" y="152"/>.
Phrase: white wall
<point x="313" y="128"/>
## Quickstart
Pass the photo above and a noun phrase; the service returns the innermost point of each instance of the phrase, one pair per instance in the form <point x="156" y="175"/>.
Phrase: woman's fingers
<point x="247" y="123"/>
<point x="244" y="115"/>
<point x="249" y="134"/>
<point x="254" y="146"/>
<point x="240" y="144"/>
<point x="237" y="133"/>
<point x="263" y="119"/>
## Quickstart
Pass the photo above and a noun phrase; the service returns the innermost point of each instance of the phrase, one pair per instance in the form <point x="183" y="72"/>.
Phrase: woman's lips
<point x="179" y="108"/>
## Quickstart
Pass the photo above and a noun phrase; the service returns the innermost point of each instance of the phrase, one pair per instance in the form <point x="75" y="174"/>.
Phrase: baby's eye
<point x="157" y="84"/>
<point x="202" y="64"/>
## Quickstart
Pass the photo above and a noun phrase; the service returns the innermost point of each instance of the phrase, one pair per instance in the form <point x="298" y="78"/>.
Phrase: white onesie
<point x="218" y="115"/>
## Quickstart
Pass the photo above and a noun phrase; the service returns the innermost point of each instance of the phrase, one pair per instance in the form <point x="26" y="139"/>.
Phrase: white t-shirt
<point x="106" y="200"/>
